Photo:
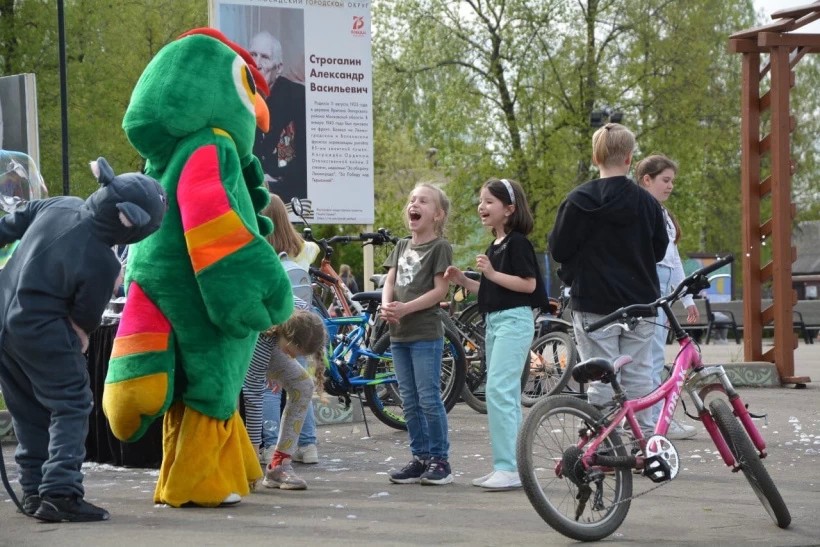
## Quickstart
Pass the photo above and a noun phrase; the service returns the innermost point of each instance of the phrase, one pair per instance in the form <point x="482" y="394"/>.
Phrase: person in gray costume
<point x="53" y="292"/>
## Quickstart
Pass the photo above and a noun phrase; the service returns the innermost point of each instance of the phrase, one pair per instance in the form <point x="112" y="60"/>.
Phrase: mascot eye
<point x="249" y="81"/>
<point x="243" y="80"/>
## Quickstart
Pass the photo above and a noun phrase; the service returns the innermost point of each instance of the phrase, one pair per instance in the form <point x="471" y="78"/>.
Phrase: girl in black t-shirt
<point x="510" y="287"/>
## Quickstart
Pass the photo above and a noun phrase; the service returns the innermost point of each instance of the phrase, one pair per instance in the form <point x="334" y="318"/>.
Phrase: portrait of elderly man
<point x="282" y="150"/>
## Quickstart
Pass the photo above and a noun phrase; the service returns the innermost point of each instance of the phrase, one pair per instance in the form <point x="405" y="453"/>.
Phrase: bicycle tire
<point x="748" y="459"/>
<point x="550" y="434"/>
<point x="383" y="400"/>
<point x="475" y="378"/>
<point x="556" y="356"/>
<point x="453" y="368"/>
<point x="386" y="405"/>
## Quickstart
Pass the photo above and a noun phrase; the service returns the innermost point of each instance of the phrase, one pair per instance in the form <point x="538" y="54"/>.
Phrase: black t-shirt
<point x="515" y="256"/>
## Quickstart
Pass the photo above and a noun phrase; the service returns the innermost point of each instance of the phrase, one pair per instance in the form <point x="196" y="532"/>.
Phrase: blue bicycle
<point x="356" y="368"/>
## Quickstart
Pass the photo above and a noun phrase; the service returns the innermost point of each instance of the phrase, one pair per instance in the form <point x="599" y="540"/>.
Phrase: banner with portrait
<point x="316" y="57"/>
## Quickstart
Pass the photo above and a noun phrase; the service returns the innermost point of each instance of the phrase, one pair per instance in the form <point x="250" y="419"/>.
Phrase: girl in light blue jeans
<point x="656" y="174"/>
<point x="510" y="287"/>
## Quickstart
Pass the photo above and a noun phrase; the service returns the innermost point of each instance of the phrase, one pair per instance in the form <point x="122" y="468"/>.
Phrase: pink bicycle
<point x="576" y="470"/>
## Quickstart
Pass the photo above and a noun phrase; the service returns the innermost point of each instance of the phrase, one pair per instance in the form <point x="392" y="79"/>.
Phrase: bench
<point x="808" y="312"/>
<point x="734" y="311"/>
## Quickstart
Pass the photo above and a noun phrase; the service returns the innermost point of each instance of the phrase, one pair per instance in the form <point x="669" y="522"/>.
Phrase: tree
<point x="108" y="44"/>
<point x="507" y="87"/>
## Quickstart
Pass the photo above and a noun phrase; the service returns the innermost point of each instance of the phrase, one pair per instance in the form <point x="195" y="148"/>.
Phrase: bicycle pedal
<point x="662" y="461"/>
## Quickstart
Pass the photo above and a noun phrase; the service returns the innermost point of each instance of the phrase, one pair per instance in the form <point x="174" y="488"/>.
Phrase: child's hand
<point x="392" y="312"/>
<point x="483" y="265"/>
<point x="692" y="314"/>
<point x="274" y="387"/>
<point x="454" y="275"/>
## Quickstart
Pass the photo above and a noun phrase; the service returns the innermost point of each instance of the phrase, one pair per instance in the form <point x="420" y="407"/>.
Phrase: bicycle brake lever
<point x="624" y="325"/>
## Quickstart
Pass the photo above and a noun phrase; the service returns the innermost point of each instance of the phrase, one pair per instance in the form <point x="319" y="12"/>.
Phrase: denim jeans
<point x="659" y="338"/>
<point x="636" y="378"/>
<point x="271" y="415"/>
<point x="418" y="370"/>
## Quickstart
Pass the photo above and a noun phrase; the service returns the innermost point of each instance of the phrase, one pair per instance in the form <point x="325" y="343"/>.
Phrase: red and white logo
<point x="358" y="26"/>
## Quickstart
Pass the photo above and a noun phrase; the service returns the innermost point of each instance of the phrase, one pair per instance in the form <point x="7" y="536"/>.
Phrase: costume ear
<point x="135" y="214"/>
<point x="102" y="171"/>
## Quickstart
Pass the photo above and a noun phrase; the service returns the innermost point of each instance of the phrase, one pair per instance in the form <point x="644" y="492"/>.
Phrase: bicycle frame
<point x="340" y="290"/>
<point x="350" y="349"/>
<point x="688" y="374"/>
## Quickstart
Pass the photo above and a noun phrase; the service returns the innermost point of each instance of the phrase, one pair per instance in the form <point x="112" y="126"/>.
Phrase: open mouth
<point x="414" y="215"/>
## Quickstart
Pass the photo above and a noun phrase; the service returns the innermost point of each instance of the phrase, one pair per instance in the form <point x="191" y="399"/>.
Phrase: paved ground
<point x="350" y="501"/>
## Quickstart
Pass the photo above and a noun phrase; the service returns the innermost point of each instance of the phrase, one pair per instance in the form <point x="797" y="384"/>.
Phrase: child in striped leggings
<point x="273" y="366"/>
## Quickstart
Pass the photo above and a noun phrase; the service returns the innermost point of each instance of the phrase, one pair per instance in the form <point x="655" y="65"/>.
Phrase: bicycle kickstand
<point x="364" y="414"/>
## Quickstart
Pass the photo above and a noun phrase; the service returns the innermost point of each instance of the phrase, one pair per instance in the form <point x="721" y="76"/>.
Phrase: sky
<point x="769" y="6"/>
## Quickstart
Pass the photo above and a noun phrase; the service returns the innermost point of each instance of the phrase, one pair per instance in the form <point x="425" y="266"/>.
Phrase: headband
<point x="509" y="190"/>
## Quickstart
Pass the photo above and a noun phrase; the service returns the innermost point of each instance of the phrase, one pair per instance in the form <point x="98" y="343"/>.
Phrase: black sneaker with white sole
<point x="410" y="473"/>
<point x="31" y="502"/>
<point x="437" y="472"/>
<point x="69" y="509"/>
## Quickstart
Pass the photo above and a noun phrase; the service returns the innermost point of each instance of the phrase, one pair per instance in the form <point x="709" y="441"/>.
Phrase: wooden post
<point x="782" y="292"/>
<point x="750" y="198"/>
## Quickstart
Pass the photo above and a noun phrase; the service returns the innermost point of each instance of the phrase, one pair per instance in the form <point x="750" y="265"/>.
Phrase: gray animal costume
<point x="53" y="292"/>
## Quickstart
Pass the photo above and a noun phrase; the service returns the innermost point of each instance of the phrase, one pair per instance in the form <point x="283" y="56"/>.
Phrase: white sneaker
<point x="678" y="431"/>
<point x="481" y="480"/>
<point x="502" y="480"/>
<point x="283" y="477"/>
<point x="231" y="499"/>
<point x="306" y="454"/>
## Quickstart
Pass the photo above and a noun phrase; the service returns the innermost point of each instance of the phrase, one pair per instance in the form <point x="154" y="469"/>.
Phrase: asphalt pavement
<point x="351" y="502"/>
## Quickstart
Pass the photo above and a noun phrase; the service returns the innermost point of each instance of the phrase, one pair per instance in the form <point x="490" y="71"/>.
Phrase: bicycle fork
<point x="724" y="385"/>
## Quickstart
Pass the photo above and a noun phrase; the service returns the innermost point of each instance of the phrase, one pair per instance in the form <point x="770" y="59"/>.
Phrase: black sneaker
<point x="411" y="473"/>
<point x="438" y="472"/>
<point x="69" y="509"/>
<point x="31" y="502"/>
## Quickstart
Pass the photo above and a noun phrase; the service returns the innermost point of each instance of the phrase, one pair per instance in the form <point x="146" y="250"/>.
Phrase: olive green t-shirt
<point x="416" y="267"/>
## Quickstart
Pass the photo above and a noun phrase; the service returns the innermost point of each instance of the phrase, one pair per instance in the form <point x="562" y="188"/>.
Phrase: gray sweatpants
<point x="49" y="396"/>
<point x="636" y="377"/>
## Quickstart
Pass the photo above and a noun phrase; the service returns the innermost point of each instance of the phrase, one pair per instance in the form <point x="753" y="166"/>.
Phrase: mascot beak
<point x="262" y="114"/>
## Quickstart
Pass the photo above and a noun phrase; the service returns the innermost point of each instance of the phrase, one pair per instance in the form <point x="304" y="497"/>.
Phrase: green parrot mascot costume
<point x="207" y="282"/>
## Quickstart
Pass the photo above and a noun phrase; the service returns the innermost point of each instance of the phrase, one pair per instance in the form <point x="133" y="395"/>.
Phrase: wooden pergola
<point x="784" y="49"/>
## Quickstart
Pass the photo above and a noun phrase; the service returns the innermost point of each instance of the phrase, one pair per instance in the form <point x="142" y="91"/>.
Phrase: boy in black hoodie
<point x="608" y="236"/>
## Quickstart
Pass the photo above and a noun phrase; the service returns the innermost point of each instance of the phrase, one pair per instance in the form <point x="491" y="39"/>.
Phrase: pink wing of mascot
<point x="202" y="288"/>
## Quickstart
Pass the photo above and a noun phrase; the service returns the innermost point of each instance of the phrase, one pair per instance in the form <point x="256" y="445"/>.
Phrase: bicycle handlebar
<point x="314" y="271"/>
<point x="380" y="237"/>
<point x="697" y="279"/>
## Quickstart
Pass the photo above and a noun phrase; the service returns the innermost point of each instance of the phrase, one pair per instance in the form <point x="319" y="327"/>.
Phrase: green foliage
<point x="505" y="88"/>
<point x="463" y="90"/>
<point x="108" y="44"/>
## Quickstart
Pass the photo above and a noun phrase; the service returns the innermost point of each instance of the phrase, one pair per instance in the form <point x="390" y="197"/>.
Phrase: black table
<point x="101" y="445"/>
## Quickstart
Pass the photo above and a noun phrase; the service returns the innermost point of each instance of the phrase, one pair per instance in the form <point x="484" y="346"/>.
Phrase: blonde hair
<point x="284" y="237"/>
<point x="612" y="144"/>
<point x="442" y="201"/>
<point x="304" y="331"/>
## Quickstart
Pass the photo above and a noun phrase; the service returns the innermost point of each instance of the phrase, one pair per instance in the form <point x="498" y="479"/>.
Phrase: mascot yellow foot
<point x="204" y="459"/>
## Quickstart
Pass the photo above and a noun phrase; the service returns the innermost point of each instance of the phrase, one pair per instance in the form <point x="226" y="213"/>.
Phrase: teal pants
<point x="508" y="337"/>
